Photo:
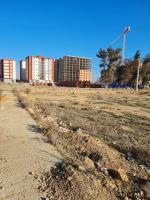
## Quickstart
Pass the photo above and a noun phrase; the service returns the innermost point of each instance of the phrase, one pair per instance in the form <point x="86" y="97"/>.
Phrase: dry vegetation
<point x="104" y="136"/>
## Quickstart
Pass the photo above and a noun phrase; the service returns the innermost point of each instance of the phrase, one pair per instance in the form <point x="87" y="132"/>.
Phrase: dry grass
<point x="120" y="117"/>
<point x="111" y="124"/>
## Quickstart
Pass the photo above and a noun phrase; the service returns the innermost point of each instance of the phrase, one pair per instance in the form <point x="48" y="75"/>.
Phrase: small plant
<point x="27" y="91"/>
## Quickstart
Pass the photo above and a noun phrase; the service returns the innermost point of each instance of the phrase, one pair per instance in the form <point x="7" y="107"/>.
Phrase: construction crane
<point x="123" y="37"/>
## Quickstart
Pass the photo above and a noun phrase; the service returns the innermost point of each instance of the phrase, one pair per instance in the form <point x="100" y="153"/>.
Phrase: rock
<point x="60" y="123"/>
<point x="97" y="165"/>
<point x="69" y="178"/>
<point x="81" y="168"/>
<point x="104" y="171"/>
<point x="146" y="189"/>
<point x="31" y="111"/>
<point x="123" y="175"/>
<point x="79" y="130"/>
<point x="147" y="169"/>
<point x="126" y="198"/>
<point x="43" y="198"/>
<point x="111" y="184"/>
<point x="89" y="163"/>
<point x="118" y="174"/>
<point x="141" y="193"/>
<point x="130" y="157"/>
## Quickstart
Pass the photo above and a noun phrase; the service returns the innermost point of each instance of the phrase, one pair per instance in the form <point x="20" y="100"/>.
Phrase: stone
<point x="146" y="189"/>
<point x="118" y="174"/>
<point x="104" y="171"/>
<point x="81" y="168"/>
<point x="111" y="184"/>
<point x="141" y="193"/>
<point x="69" y="178"/>
<point x="89" y="164"/>
<point x="43" y="198"/>
<point x="123" y="175"/>
<point x="98" y="165"/>
<point x="126" y="198"/>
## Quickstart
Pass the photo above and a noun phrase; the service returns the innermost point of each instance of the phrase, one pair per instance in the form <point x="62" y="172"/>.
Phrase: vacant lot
<point x="120" y="117"/>
<point x="102" y="129"/>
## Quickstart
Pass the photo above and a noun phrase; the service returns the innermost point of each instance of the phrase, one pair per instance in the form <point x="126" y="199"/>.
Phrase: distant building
<point x="56" y="70"/>
<point x="23" y="71"/>
<point x="37" y="69"/>
<point x="8" y="70"/>
<point x="72" y="69"/>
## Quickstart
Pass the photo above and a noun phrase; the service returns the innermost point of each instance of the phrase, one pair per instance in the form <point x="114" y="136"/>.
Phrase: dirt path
<point x="23" y="152"/>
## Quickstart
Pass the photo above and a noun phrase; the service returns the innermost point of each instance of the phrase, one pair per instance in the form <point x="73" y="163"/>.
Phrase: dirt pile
<point x="66" y="182"/>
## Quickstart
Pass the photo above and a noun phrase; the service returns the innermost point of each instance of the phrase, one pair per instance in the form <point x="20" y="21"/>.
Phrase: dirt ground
<point x="120" y="117"/>
<point x="102" y="134"/>
<point x="24" y="151"/>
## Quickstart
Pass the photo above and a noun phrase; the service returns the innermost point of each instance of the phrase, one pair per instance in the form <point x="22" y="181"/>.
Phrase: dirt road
<point x="23" y="152"/>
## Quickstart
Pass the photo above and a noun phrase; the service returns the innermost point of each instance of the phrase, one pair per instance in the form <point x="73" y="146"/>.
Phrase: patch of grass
<point x="134" y="117"/>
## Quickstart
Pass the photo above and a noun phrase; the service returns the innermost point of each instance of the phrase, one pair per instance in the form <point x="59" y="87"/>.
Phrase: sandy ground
<point x="24" y="152"/>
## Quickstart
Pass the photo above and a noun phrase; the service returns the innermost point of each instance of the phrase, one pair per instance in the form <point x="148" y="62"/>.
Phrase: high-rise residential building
<point x="73" y="69"/>
<point x="37" y="69"/>
<point x="7" y="70"/>
<point x="23" y="71"/>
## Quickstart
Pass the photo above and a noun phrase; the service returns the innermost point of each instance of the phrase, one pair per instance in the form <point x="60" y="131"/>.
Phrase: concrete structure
<point x="37" y="69"/>
<point x="8" y="70"/>
<point x="71" y="69"/>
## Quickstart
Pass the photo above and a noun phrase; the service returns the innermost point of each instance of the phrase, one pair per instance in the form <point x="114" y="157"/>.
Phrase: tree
<point x="111" y="69"/>
<point x="137" y="55"/>
<point x="145" y="71"/>
<point x="110" y="59"/>
<point x="127" y="73"/>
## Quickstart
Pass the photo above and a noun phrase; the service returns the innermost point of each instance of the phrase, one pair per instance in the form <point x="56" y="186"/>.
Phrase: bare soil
<point x="103" y="135"/>
<point x="24" y="151"/>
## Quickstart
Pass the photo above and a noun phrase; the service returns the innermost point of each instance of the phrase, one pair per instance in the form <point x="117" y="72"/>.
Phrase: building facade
<point x="73" y="69"/>
<point x="23" y="71"/>
<point x="8" y="70"/>
<point x="37" y="69"/>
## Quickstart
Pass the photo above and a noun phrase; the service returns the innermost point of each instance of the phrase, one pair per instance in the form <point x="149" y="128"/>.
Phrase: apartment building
<point x="23" y="71"/>
<point x="73" y="69"/>
<point x="8" y="70"/>
<point x="37" y="69"/>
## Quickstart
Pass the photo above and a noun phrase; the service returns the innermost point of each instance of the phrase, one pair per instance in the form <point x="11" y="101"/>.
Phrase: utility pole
<point x="138" y="73"/>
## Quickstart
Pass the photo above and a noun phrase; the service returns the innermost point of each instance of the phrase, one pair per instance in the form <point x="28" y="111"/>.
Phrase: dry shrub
<point x="27" y="91"/>
<point x="24" y="101"/>
<point x="1" y="97"/>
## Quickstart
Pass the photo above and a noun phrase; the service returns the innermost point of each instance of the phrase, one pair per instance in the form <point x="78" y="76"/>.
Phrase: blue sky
<point x="62" y="27"/>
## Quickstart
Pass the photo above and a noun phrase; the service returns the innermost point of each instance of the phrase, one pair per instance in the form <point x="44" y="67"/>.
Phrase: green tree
<point x="145" y="71"/>
<point x="137" y="56"/>
<point x="110" y="59"/>
<point x="128" y="72"/>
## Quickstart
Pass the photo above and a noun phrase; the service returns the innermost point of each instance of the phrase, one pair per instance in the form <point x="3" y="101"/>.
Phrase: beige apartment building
<point x="71" y="69"/>
<point x="8" y="70"/>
